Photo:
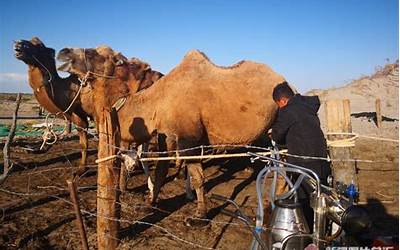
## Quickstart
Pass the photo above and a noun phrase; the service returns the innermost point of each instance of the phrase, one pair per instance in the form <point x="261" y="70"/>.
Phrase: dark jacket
<point x="298" y="127"/>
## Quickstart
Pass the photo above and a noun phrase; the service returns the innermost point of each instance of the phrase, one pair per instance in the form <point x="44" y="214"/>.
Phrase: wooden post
<point x="338" y="121"/>
<point x="6" y="150"/>
<point x="108" y="208"/>
<point x="378" y="113"/>
<point x="337" y="113"/>
<point x="79" y="221"/>
<point x="347" y="116"/>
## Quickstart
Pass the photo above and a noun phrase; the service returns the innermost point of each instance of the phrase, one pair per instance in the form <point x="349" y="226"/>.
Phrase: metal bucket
<point x="287" y="219"/>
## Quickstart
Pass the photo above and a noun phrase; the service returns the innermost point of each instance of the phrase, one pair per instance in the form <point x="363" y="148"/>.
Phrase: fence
<point x="57" y="192"/>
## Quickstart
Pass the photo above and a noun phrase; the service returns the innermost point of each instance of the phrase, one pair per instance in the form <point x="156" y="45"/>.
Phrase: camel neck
<point x="46" y="86"/>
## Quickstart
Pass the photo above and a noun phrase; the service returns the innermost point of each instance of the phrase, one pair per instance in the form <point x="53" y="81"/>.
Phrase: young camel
<point x="197" y="103"/>
<point x="56" y="94"/>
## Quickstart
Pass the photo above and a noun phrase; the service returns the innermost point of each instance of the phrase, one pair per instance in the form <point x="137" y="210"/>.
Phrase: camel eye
<point x="25" y="46"/>
<point x="119" y="62"/>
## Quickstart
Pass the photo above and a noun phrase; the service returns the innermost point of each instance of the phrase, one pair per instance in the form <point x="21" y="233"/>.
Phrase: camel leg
<point x="145" y="165"/>
<point x="83" y="142"/>
<point x="160" y="174"/>
<point x="124" y="173"/>
<point x="179" y="175"/>
<point x="82" y="125"/>
<point x="196" y="173"/>
<point x="178" y="165"/>
<point x="188" y="186"/>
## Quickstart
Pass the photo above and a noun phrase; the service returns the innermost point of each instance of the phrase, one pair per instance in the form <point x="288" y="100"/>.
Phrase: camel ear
<point x="36" y="41"/>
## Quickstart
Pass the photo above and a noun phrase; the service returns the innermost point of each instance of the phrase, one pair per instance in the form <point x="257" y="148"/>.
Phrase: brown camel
<point x="55" y="94"/>
<point x="197" y="103"/>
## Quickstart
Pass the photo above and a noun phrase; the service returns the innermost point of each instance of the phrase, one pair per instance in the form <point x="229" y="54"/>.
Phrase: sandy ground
<point x="37" y="213"/>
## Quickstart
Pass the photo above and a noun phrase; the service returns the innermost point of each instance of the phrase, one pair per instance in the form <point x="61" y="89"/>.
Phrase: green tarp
<point x="26" y="130"/>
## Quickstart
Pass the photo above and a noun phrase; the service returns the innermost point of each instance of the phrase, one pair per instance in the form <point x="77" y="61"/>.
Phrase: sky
<point x="313" y="43"/>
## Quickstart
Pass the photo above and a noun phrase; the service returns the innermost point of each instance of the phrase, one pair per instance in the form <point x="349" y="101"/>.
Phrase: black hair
<point x="282" y="90"/>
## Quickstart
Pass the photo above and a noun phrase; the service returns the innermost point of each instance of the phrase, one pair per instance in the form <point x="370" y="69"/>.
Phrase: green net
<point x="28" y="130"/>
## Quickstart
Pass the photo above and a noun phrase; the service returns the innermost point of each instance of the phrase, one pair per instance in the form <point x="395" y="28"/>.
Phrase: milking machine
<point x="286" y="227"/>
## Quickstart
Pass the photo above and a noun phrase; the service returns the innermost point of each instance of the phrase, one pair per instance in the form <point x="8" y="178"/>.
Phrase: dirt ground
<point x="37" y="213"/>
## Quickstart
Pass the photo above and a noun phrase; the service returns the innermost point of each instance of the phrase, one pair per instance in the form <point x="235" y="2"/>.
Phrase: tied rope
<point x="342" y="143"/>
<point x="49" y="135"/>
<point x="348" y="142"/>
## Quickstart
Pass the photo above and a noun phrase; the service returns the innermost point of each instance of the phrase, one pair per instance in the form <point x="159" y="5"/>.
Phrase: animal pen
<point x="43" y="207"/>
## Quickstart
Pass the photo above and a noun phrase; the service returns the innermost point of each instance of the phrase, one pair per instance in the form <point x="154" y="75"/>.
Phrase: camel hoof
<point x="197" y="222"/>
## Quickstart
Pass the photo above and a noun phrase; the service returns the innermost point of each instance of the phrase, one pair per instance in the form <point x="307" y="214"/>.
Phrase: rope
<point x="363" y="136"/>
<point x="178" y="157"/>
<point x="380" y="139"/>
<point x="50" y="75"/>
<point x="83" y="83"/>
<point x="212" y="147"/>
<point x="342" y="143"/>
<point x="49" y="133"/>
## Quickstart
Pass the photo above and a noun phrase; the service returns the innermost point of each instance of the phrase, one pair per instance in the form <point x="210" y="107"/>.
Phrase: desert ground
<point x="37" y="212"/>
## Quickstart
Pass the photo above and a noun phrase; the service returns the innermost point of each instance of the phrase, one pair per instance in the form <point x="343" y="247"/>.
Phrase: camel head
<point x="103" y="61"/>
<point x="100" y="61"/>
<point x="34" y="53"/>
<point x="142" y="73"/>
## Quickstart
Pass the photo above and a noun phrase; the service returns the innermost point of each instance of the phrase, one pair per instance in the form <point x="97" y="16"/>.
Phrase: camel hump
<point x="197" y="57"/>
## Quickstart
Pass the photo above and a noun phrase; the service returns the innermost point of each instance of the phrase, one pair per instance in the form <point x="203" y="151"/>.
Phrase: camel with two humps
<point x="197" y="103"/>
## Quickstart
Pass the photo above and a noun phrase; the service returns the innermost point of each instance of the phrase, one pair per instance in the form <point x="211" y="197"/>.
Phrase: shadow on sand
<point x="173" y="204"/>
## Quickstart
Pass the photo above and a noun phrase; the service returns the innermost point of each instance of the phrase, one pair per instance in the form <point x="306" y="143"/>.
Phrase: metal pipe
<point x="318" y="186"/>
<point x="319" y="221"/>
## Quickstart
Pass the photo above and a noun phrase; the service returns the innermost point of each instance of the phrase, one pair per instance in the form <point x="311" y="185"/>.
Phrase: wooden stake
<point x="378" y="113"/>
<point x="337" y="113"/>
<point x="108" y="208"/>
<point x="79" y="221"/>
<point x="6" y="150"/>
<point x="338" y="121"/>
<point x="347" y="116"/>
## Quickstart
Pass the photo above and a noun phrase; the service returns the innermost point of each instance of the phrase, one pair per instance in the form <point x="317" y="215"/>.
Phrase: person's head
<point x="282" y="94"/>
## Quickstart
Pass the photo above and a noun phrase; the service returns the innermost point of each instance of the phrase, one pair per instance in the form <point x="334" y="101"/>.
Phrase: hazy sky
<point x="314" y="44"/>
